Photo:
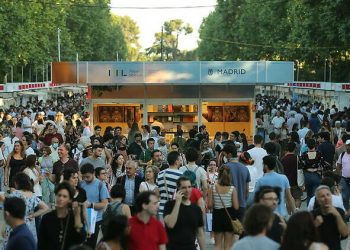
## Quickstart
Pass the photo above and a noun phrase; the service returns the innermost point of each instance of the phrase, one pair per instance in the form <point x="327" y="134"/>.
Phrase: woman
<point x="133" y="130"/>
<point x="175" y="147"/>
<point x="216" y="141"/>
<point x="62" y="227"/>
<point x="34" y="206"/>
<point x="222" y="198"/>
<point x="116" y="206"/>
<point x="301" y="233"/>
<point x="15" y="162"/>
<point x="71" y="136"/>
<point x="27" y="143"/>
<point x="122" y="147"/>
<point x="33" y="174"/>
<point x="46" y="167"/>
<point x="146" y="130"/>
<point x="163" y="148"/>
<point x="212" y="174"/>
<point x="72" y="177"/>
<point x="311" y="162"/>
<point x="303" y="146"/>
<point x="115" y="234"/>
<point x="150" y="180"/>
<point x="294" y="137"/>
<point x="248" y="161"/>
<point x="117" y="169"/>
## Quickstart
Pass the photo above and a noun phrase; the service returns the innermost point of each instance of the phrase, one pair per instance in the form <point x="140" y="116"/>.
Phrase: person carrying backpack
<point x="115" y="207"/>
<point x="192" y="156"/>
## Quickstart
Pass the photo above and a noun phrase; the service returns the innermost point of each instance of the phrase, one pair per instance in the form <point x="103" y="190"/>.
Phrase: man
<point x="257" y="153"/>
<point x="337" y="200"/>
<point x="137" y="147"/>
<point x="97" y="197"/>
<point x="131" y="182"/>
<point x="277" y="122"/>
<point x="117" y="135"/>
<point x="303" y="131"/>
<point x="54" y="149"/>
<point x="179" y="139"/>
<point x="146" y="154"/>
<point x="270" y="196"/>
<point x="63" y="162"/>
<point x="50" y="133"/>
<point x="240" y="177"/>
<point x="157" y="123"/>
<point x="27" y="122"/>
<point x="146" y="232"/>
<point x="20" y="236"/>
<point x="192" y="156"/>
<point x="157" y="160"/>
<point x="326" y="147"/>
<point x="273" y="179"/>
<point x="342" y="148"/>
<point x="314" y="123"/>
<point x="166" y="180"/>
<point x="9" y="142"/>
<point x="183" y="220"/>
<point x="291" y="121"/>
<point x="97" y="134"/>
<point x="343" y="168"/>
<point x="274" y="139"/>
<point x="329" y="220"/>
<point x="257" y="222"/>
<point x="95" y="159"/>
<point x="337" y="131"/>
<point x="290" y="166"/>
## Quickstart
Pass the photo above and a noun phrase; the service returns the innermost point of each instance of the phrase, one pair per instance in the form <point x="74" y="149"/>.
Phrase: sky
<point x="150" y="20"/>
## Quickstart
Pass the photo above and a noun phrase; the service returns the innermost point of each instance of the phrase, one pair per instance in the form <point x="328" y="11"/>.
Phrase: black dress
<point x="15" y="167"/>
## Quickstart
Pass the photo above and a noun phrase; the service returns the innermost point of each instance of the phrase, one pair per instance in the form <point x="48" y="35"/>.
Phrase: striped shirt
<point x="226" y="198"/>
<point x="166" y="194"/>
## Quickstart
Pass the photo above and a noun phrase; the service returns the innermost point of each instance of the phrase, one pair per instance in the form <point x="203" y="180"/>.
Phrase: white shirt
<point x="30" y="151"/>
<point x="9" y="144"/>
<point x="253" y="177"/>
<point x="33" y="175"/>
<point x="299" y="117"/>
<point x="302" y="132"/>
<point x="257" y="155"/>
<point x="27" y="123"/>
<point x="337" y="201"/>
<point x="290" y="122"/>
<point x="277" y="121"/>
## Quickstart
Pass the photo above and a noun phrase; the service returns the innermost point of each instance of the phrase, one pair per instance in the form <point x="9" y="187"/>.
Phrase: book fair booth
<point x="217" y="94"/>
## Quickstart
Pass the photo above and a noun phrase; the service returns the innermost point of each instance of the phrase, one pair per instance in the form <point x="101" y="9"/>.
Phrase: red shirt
<point x="196" y="194"/>
<point x="147" y="236"/>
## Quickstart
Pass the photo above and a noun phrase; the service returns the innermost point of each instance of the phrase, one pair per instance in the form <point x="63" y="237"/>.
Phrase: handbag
<point x="300" y="175"/>
<point x="236" y="224"/>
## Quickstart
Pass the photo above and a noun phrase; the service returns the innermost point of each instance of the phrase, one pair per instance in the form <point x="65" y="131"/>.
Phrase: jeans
<point x="312" y="181"/>
<point x="345" y="192"/>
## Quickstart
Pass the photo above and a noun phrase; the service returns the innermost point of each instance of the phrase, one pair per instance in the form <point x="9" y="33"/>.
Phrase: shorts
<point x="296" y="192"/>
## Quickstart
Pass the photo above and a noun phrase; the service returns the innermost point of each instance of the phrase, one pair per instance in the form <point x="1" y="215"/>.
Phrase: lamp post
<point x="59" y="43"/>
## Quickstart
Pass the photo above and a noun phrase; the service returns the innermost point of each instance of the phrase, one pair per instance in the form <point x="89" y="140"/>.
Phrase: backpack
<point x="112" y="210"/>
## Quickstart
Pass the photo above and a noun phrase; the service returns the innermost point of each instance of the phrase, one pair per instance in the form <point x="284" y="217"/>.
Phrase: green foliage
<point x="170" y="37"/>
<point x="305" y="31"/>
<point x="29" y="35"/>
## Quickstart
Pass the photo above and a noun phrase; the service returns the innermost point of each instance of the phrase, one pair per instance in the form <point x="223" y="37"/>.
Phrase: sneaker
<point x="212" y="241"/>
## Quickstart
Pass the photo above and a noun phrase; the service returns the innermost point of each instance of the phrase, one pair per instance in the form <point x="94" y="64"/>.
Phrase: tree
<point x="131" y="35"/>
<point x="167" y="42"/>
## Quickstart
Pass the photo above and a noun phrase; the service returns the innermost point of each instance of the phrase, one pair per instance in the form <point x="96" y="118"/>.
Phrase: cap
<point x="347" y="142"/>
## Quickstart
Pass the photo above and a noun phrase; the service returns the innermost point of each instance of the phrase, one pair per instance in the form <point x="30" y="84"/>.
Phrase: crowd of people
<point x="72" y="186"/>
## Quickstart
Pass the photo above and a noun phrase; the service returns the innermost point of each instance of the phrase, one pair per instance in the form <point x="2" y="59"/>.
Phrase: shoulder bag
<point x="236" y="224"/>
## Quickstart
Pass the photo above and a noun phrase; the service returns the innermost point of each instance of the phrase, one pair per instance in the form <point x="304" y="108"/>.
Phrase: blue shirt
<point x="240" y="179"/>
<point x="274" y="179"/>
<point x="96" y="191"/>
<point x="21" y="238"/>
<point x="129" y="190"/>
